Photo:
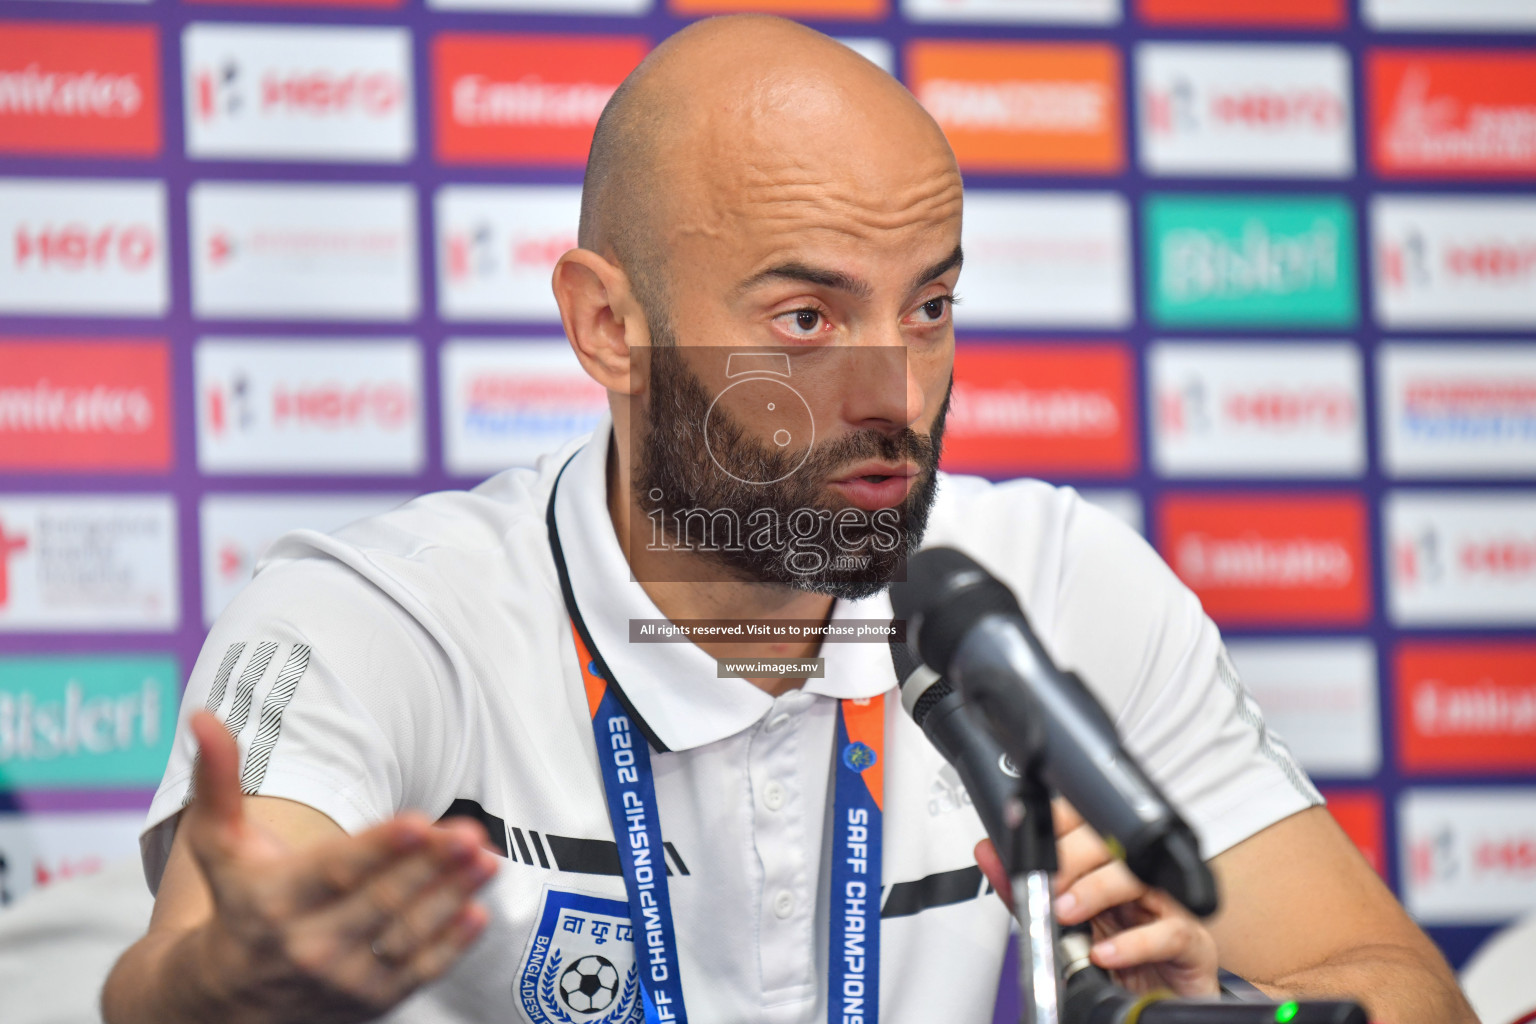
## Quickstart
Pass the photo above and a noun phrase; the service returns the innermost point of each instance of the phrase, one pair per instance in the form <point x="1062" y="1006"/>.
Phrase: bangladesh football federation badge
<point x="580" y="964"/>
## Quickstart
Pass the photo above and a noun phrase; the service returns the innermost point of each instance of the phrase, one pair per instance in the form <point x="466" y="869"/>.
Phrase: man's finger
<point x="1167" y="940"/>
<point x="1109" y="885"/>
<point x="439" y="953"/>
<point x="214" y="820"/>
<point x="1064" y="816"/>
<point x="338" y="868"/>
<point x="434" y="906"/>
<point x="368" y="907"/>
<point x="992" y="866"/>
<point x="1077" y="853"/>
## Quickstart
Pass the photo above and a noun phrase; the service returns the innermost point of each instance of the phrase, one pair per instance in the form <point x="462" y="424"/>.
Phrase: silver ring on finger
<point x="387" y="957"/>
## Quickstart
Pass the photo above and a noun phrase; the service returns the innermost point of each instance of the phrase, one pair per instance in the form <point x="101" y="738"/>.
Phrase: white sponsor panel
<point x="547" y="6"/>
<point x="1263" y="110"/>
<point x="1084" y="12"/>
<point x="308" y="406"/>
<point x="83" y="247"/>
<point x="1469" y="854"/>
<point x="497" y="246"/>
<point x="507" y="402"/>
<point x="1449" y="15"/>
<point x="38" y="850"/>
<point x="1124" y="505"/>
<point x="1319" y="696"/>
<point x="320" y="252"/>
<point x="1256" y="409"/>
<point x="1047" y="259"/>
<point x="1461" y="557"/>
<point x="291" y="92"/>
<point x="88" y="563"/>
<point x="1450" y="409"/>
<point x="878" y="52"/>
<point x="237" y="528"/>
<point x="1447" y="262"/>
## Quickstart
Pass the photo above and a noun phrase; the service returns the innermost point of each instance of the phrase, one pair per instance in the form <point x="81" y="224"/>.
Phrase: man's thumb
<point x="215" y="812"/>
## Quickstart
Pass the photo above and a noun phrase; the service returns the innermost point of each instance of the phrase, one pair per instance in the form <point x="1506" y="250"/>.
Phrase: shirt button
<point x="775" y="722"/>
<point x="773" y="796"/>
<point x="784" y="904"/>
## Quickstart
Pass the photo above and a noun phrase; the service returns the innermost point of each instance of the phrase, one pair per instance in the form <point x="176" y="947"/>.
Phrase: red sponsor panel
<point x="524" y="99"/>
<point x="1262" y="559"/>
<point x="1359" y="814"/>
<point x="84" y="405"/>
<point x="1025" y="409"/>
<point x="1444" y="114"/>
<point x="79" y="90"/>
<point x="1031" y="107"/>
<point x="1465" y="706"/>
<point x="1309" y="13"/>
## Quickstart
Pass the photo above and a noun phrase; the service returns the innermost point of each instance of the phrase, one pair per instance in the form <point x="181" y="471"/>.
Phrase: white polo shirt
<point x="423" y="659"/>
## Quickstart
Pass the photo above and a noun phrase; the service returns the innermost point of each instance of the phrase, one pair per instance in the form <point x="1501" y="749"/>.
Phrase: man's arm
<point x="268" y="911"/>
<point x="1303" y="914"/>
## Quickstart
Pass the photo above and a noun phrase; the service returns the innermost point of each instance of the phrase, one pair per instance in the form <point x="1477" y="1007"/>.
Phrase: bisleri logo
<point x="1242" y="260"/>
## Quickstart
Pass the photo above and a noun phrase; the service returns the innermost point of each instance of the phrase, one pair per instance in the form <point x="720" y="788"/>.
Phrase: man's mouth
<point x="876" y="485"/>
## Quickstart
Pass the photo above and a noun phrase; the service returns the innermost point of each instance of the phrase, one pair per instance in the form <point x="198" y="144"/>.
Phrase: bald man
<point x="770" y="242"/>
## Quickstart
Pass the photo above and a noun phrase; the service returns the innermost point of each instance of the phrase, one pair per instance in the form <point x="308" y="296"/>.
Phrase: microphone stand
<point x="1029" y="859"/>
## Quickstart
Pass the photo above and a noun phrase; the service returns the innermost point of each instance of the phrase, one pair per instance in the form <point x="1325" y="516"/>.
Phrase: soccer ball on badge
<point x="589" y="984"/>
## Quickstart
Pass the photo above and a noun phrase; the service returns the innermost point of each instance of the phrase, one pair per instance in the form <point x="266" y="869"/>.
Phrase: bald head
<point x="725" y="108"/>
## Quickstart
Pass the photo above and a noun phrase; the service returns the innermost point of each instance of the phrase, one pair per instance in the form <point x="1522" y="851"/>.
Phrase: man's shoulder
<point x="439" y="551"/>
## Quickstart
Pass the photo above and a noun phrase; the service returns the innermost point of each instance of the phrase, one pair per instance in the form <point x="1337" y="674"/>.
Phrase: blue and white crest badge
<point x="580" y="967"/>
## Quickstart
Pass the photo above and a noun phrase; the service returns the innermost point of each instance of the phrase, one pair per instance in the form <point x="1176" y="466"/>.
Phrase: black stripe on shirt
<point x="937" y="890"/>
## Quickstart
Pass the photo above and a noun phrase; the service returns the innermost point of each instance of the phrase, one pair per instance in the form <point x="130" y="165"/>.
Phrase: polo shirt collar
<point x="672" y="687"/>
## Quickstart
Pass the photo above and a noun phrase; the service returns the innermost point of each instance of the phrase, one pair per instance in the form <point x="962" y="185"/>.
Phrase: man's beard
<point x="678" y="472"/>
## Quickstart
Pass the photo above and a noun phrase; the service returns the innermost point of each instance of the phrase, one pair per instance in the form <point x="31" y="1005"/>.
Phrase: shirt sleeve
<point x="331" y="691"/>
<point x="1141" y="640"/>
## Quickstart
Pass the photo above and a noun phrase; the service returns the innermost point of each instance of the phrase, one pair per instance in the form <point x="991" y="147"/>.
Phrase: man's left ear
<point x="603" y="321"/>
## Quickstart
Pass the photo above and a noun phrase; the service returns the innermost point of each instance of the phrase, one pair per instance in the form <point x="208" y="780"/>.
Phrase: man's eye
<point x="934" y="309"/>
<point x="802" y="321"/>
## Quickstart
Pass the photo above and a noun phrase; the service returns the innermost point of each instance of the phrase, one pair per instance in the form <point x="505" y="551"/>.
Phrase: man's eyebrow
<point x="842" y="282"/>
<point x="939" y="269"/>
<point x="811" y="275"/>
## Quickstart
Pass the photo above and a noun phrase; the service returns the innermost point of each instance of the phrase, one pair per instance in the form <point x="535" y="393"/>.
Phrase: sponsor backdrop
<point x="1260" y="277"/>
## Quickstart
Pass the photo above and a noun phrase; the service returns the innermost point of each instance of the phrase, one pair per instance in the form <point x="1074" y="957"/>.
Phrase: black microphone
<point x="968" y="627"/>
<point x="954" y="728"/>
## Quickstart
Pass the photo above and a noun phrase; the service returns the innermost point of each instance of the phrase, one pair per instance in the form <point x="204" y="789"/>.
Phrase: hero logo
<point x="11" y="543"/>
<point x="1470" y="854"/>
<point x="473" y="252"/>
<point x="497" y="246"/>
<point x="298" y="92"/>
<point x="1462" y="557"/>
<point x="1456" y="261"/>
<point x="313" y="406"/>
<point x="1257" y="409"/>
<point x="317" y="93"/>
<point x="82" y="247"/>
<point x="1262" y="109"/>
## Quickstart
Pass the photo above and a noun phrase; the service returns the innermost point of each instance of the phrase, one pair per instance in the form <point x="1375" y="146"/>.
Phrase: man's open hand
<point x="341" y="930"/>
<point x="1141" y="935"/>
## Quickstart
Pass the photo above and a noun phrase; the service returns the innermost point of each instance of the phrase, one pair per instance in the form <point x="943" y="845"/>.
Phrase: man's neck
<point x="684" y="585"/>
